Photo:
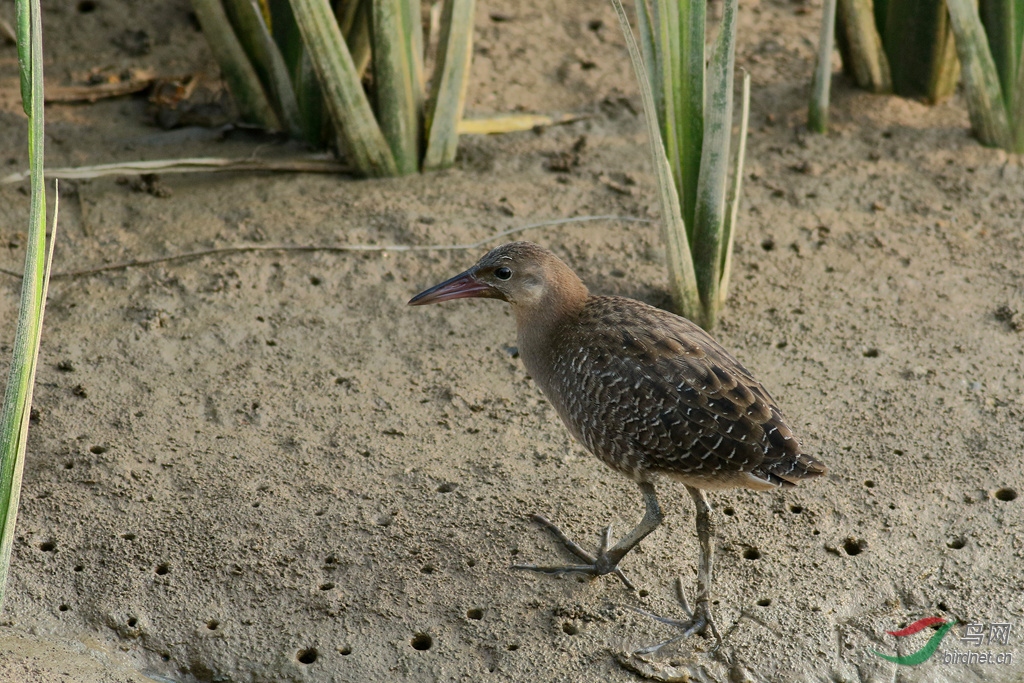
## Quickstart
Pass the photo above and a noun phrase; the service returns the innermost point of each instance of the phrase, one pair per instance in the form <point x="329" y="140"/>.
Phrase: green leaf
<point x="241" y="77"/>
<point x="919" y="43"/>
<point x="735" y="193"/>
<point x="1004" y="25"/>
<point x="860" y="44"/>
<point x="689" y="92"/>
<point x="358" y="133"/>
<point x="266" y="59"/>
<point x="709" y="220"/>
<point x="398" y="81"/>
<point x="448" y="86"/>
<point x="985" y="101"/>
<point x="16" y="409"/>
<point x="817" y="115"/>
<point x="682" y="279"/>
<point x="24" y="20"/>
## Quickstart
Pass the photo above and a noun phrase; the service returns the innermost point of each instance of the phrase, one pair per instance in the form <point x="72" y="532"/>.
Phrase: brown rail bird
<point x="649" y="393"/>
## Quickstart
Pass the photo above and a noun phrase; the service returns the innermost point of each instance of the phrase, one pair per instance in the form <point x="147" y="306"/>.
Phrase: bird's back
<point x="648" y="391"/>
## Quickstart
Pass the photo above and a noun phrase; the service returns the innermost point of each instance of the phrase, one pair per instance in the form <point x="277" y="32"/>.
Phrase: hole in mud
<point x="475" y="613"/>
<point x="447" y="487"/>
<point x="69" y="465"/>
<point x="78" y="568"/>
<point x="796" y="509"/>
<point x="728" y="512"/>
<point x="764" y="602"/>
<point x="643" y="592"/>
<point x="307" y="656"/>
<point x="345" y="650"/>
<point x="512" y="647"/>
<point x="815" y="532"/>
<point x="256" y="504"/>
<point x="162" y="569"/>
<point x="63" y="608"/>
<point x="315" y="281"/>
<point x="48" y="546"/>
<point x="768" y="244"/>
<point x="570" y="629"/>
<point x="869" y="483"/>
<point x="165" y="657"/>
<point x="98" y="450"/>
<point x="427" y="569"/>
<point x="943" y="606"/>
<point x="852" y="546"/>
<point x="871" y="353"/>
<point x="782" y="344"/>
<point x="956" y="543"/>
<point x="470" y="563"/>
<point x="422" y="641"/>
<point x="1006" y="494"/>
<point x="752" y="554"/>
<point x="213" y="624"/>
<point x="86" y="6"/>
<point x="326" y="586"/>
<point x="128" y="537"/>
<point x="132" y="622"/>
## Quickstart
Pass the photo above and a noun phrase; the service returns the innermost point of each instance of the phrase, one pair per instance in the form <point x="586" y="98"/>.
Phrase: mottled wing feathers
<point x="649" y="390"/>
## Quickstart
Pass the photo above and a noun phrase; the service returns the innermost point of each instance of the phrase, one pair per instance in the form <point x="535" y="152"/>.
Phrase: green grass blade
<point x="16" y="409"/>
<point x="985" y="101"/>
<point x="735" y="192"/>
<point x="448" y="86"/>
<point x="682" y="279"/>
<point x="308" y="99"/>
<point x="648" y="49"/>
<point x="817" y="115"/>
<point x="666" y="50"/>
<point x="266" y="59"/>
<point x="358" y="133"/>
<point x="689" y="91"/>
<point x="397" y="82"/>
<point x="24" y="21"/>
<point x="709" y="219"/>
<point x="860" y="43"/>
<point x="1017" y="107"/>
<point x="1004" y="25"/>
<point x="241" y="77"/>
<point x="355" y="26"/>
<point x="919" y="43"/>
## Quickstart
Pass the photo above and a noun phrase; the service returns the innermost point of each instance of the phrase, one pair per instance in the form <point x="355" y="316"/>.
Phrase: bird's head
<point x="524" y="274"/>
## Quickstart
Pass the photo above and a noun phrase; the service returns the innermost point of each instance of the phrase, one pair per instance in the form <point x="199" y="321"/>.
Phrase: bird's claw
<point x="597" y="565"/>
<point x="698" y="622"/>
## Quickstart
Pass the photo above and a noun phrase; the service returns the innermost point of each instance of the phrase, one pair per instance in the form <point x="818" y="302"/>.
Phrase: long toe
<point x="698" y="622"/>
<point x="594" y="565"/>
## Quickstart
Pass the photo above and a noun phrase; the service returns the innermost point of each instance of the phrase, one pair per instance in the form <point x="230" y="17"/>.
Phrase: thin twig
<point x="341" y="248"/>
<point x="193" y="165"/>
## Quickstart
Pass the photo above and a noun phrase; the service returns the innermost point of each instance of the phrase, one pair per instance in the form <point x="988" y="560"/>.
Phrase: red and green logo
<point x="929" y="648"/>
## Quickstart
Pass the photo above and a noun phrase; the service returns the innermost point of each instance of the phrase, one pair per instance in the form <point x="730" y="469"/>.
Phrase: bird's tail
<point x="796" y="468"/>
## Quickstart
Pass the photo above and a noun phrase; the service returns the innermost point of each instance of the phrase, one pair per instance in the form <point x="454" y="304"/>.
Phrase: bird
<point x="648" y="392"/>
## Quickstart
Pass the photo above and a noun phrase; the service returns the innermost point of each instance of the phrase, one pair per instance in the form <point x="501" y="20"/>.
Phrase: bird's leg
<point x="698" y="620"/>
<point x="606" y="561"/>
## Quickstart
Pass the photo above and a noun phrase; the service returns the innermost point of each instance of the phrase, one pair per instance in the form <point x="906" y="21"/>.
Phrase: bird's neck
<point x="540" y="324"/>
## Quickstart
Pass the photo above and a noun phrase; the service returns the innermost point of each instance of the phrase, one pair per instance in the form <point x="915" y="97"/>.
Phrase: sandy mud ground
<point x="264" y="466"/>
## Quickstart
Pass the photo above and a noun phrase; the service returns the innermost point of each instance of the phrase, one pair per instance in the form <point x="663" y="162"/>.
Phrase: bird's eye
<point x="503" y="273"/>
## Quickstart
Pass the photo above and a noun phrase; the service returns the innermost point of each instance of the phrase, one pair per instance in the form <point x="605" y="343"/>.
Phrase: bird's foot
<point x="698" y="622"/>
<point x="597" y="565"/>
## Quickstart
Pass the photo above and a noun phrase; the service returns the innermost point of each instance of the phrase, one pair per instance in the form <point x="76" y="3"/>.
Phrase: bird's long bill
<point x="462" y="286"/>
